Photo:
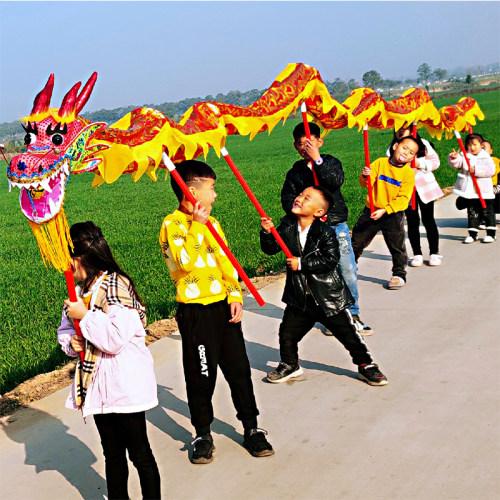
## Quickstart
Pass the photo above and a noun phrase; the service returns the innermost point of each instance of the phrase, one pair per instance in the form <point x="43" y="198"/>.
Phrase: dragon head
<point x="56" y="144"/>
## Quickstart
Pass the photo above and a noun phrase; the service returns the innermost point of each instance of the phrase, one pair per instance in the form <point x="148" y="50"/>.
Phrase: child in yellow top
<point x="392" y="181"/>
<point x="496" y="187"/>
<point x="209" y="313"/>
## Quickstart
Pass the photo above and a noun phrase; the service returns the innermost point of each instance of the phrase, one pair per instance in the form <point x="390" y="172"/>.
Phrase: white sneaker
<point x="488" y="239"/>
<point x="417" y="261"/>
<point x="435" y="260"/>
<point x="469" y="239"/>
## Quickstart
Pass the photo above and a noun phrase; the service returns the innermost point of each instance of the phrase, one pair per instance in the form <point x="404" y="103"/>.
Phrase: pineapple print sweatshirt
<point x="201" y="271"/>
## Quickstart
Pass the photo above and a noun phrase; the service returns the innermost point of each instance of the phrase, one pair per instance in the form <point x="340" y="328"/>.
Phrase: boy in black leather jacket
<point x="330" y="175"/>
<point x="314" y="290"/>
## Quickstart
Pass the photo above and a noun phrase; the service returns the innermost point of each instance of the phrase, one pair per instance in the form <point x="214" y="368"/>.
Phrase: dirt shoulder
<point x="43" y="385"/>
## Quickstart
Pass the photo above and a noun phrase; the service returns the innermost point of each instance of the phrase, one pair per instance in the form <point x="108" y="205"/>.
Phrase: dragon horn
<point x="69" y="102"/>
<point x="42" y="99"/>
<point x="85" y="93"/>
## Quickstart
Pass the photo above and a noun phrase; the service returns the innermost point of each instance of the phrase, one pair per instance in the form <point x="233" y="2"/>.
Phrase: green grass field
<point x="130" y="215"/>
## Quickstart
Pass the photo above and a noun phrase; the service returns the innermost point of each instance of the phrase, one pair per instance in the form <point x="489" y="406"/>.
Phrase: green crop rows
<point x="130" y="215"/>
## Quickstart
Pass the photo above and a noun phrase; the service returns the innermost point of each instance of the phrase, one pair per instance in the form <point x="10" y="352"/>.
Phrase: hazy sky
<point x="152" y="52"/>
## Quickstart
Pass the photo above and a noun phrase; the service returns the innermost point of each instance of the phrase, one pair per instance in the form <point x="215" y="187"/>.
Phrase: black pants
<point x="476" y="214"/>
<point x="208" y="341"/>
<point x="413" y="220"/>
<point x="297" y="323"/>
<point x="122" y="432"/>
<point x="393" y="231"/>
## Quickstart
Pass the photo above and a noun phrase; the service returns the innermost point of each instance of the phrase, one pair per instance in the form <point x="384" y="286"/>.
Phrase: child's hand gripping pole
<point x="70" y="285"/>
<point x="473" y="177"/>
<point x="254" y="200"/>
<point x="171" y="167"/>
<point x="367" y="164"/>
<point x="414" y="134"/>
<point x="303" y="110"/>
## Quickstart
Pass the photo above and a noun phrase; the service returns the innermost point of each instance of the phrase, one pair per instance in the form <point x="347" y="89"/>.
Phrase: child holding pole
<point x="117" y="383"/>
<point x="483" y="168"/>
<point x="208" y="314"/>
<point x="392" y="182"/>
<point x="330" y="175"/>
<point x="427" y="190"/>
<point x="314" y="289"/>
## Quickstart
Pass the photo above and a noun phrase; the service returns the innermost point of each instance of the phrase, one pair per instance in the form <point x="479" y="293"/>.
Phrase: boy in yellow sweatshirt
<point x="209" y="313"/>
<point x="392" y="181"/>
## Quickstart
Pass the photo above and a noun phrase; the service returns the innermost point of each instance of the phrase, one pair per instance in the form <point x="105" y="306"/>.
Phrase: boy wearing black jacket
<point x="314" y="290"/>
<point x="330" y="176"/>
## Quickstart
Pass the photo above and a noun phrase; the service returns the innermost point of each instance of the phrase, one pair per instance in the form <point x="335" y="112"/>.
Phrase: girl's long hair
<point x="94" y="253"/>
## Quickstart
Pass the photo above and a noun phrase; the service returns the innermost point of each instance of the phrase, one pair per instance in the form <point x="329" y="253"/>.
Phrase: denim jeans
<point x="347" y="264"/>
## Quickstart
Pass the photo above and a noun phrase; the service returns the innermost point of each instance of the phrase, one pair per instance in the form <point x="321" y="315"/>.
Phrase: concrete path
<point x="432" y="433"/>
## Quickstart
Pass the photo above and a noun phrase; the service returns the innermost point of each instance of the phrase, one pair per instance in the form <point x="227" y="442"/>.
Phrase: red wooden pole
<point x="171" y="167"/>
<point x="473" y="177"/>
<point x="303" y="109"/>
<point x="413" y="201"/>
<point x="367" y="164"/>
<point x="254" y="200"/>
<point x="70" y="285"/>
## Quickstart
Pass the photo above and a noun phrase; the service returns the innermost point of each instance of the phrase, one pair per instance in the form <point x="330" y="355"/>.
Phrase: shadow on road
<point x="260" y="355"/>
<point x="169" y="402"/>
<point x="52" y="448"/>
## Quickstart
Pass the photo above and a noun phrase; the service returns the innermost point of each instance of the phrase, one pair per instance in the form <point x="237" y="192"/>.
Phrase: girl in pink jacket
<point x="427" y="190"/>
<point x="117" y="383"/>
<point x="483" y="168"/>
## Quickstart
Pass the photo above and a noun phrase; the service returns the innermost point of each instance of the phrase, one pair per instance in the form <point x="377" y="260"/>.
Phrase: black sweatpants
<point x="122" y="432"/>
<point x="297" y="323"/>
<point x="210" y="340"/>
<point x="393" y="231"/>
<point x="413" y="220"/>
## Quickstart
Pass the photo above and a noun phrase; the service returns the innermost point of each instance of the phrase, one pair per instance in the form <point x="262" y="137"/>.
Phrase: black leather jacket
<point x="319" y="261"/>
<point x="330" y="176"/>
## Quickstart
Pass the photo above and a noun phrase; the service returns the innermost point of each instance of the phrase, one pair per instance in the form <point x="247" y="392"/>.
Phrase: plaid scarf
<point x="107" y="290"/>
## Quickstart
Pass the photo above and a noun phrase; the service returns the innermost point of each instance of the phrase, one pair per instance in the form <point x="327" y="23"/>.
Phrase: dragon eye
<point x="29" y="138"/>
<point x="57" y="139"/>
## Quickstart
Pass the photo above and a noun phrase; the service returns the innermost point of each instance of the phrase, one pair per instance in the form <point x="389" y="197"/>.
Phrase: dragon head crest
<point x="56" y="144"/>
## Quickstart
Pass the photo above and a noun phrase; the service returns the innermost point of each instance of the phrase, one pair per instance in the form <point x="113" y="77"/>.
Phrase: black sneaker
<point x="372" y="375"/>
<point x="203" y="449"/>
<point x="256" y="443"/>
<point x="284" y="372"/>
<point x="361" y="327"/>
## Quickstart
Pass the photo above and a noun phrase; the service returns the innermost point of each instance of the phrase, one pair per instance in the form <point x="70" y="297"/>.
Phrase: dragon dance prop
<point x="173" y="171"/>
<point x="60" y="143"/>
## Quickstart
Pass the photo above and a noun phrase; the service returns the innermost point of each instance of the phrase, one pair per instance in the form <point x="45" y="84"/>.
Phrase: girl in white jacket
<point x="117" y="383"/>
<point x="483" y="168"/>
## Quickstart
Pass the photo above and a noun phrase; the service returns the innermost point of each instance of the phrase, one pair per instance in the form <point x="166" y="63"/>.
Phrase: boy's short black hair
<point x="417" y="141"/>
<point x="300" y="131"/>
<point x="470" y="137"/>
<point x="326" y="195"/>
<point x="191" y="171"/>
